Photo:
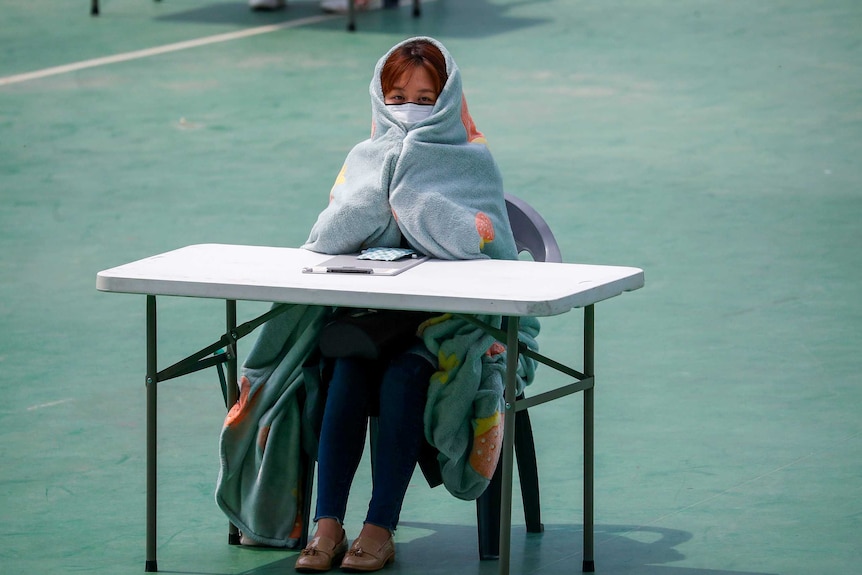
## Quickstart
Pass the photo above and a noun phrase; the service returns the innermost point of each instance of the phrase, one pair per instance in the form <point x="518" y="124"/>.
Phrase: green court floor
<point x="715" y="144"/>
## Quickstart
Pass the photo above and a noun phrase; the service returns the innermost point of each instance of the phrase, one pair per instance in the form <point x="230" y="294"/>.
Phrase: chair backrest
<point x="531" y="231"/>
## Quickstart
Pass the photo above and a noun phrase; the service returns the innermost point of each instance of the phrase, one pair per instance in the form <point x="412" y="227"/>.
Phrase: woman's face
<point x="416" y="86"/>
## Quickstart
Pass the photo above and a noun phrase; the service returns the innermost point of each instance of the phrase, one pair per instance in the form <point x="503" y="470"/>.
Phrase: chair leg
<point x="488" y="504"/>
<point x="94" y="7"/>
<point x="488" y="517"/>
<point x="525" y="455"/>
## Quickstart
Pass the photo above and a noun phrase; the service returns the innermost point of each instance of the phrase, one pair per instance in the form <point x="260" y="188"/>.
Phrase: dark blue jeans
<point x="402" y="388"/>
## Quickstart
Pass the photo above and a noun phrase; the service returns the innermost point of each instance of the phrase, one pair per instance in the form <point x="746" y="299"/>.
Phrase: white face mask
<point x="410" y="113"/>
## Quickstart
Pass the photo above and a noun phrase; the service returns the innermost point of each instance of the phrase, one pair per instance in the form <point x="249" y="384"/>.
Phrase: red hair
<point x="419" y="53"/>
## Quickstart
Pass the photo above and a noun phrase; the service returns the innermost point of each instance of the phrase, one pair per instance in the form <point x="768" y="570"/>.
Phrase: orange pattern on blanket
<point x="487" y="442"/>
<point x="240" y="409"/>
<point x="496" y="349"/>
<point x="474" y="136"/>
<point x="485" y="228"/>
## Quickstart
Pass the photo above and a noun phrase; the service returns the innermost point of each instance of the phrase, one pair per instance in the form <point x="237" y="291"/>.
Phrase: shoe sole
<point x="349" y="569"/>
<point x="336" y="560"/>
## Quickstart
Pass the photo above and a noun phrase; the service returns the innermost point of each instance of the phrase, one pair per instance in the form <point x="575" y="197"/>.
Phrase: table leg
<point x="508" y="454"/>
<point x="589" y="564"/>
<point x="351" y="15"/>
<point x="152" y="407"/>
<point x="232" y="388"/>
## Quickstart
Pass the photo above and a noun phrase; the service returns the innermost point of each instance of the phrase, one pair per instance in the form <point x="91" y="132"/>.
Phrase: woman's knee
<point x="350" y="383"/>
<point x="406" y="379"/>
<point x="410" y="368"/>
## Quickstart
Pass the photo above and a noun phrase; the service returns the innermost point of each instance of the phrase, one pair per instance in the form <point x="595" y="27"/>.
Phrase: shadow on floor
<point x="438" y="549"/>
<point x="435" y="17"/>
<point x="238" y="12"/>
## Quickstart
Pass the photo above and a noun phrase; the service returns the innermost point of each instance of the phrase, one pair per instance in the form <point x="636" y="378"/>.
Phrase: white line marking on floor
<point x="49" y="404"/>
<point x="146" y="53"/>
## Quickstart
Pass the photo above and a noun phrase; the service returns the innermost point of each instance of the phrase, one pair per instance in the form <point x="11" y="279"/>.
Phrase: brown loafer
<point x="320" y="554"/>
<point x="369" y="555"/>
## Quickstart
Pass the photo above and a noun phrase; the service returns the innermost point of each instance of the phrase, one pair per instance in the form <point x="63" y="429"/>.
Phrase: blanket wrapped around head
<point x="435" y="185"/>
<point x="434" y="182"/>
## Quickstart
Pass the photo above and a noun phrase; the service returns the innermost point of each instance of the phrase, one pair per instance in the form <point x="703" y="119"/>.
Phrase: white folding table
<point x="512" y="289"/>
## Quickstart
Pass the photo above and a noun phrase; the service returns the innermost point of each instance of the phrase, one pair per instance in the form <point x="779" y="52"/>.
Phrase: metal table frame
<point x="223" y="351"/>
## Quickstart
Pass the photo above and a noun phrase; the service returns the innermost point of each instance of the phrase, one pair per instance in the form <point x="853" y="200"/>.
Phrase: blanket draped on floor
<point x="435" y="185"/>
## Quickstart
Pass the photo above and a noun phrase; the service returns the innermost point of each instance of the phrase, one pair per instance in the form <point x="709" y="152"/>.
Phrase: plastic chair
<point x="534" y="236"/>
<point x="532" y="233"/>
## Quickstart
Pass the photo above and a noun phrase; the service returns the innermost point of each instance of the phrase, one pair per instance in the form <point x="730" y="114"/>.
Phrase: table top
<point x="274" y="274"/>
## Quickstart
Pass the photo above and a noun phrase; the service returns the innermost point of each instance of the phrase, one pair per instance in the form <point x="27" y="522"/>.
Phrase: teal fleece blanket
<point x="435" y="184"/>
